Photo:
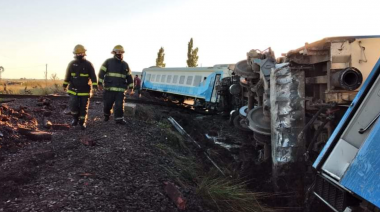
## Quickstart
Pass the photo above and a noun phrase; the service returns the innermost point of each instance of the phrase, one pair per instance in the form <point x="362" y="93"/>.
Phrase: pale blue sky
<point x="36" y="32"/>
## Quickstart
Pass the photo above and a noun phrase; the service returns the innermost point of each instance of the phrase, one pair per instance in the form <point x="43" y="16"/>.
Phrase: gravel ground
<point x="122" y="171"/>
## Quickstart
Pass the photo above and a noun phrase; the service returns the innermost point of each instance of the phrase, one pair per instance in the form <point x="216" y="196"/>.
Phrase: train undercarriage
<point x="292" y="104"/>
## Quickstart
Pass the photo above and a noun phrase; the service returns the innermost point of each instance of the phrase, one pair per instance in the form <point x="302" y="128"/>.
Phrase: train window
<point x="163" y="78"/>
<point x="181" y="79"/>
<point x="175" y="79"/>
<point x="197" y="80"/>
<point x="169" y="78"/>
<point x="147" y="78"/>
<point x="153" y="78"/>
<point x="158" y="78"/>
<point x="189" y="80"/>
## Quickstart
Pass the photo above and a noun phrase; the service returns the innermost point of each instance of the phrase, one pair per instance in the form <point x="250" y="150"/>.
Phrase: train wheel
<point x="241" y="123"/>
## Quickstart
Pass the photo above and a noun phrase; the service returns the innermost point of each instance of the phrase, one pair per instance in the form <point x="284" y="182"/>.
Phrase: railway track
<point x="9" y="97"/>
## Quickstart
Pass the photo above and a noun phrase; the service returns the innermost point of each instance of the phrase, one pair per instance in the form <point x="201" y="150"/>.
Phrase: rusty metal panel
<point x="340" y="65"/>
<point x="316" y="80"/>
<point x="287" y="94"/>
<point x="340" y="52"/>
<point x="340" y="97"/>
<point x="309" y="59"/>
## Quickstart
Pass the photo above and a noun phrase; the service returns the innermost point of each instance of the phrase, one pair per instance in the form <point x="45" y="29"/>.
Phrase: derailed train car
<point x="197" y="83"/>
<point x="304" y="112"/>
<point x="293" y="104"/>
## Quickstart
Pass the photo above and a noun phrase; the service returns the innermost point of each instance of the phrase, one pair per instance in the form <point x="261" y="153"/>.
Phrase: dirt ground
<point x="121" y="169"/>
<point x="109" y="167"/>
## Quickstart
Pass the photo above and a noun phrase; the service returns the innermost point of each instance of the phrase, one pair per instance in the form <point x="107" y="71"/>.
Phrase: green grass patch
<point x="176" y="141"/>
<point x="164" y="124"/>
<point x="227" y="194"/>
<point x="186" y="169"/>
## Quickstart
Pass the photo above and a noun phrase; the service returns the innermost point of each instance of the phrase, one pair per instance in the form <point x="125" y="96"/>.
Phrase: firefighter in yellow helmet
<point x="115" y="76"/>
<point x="79" y="73"/>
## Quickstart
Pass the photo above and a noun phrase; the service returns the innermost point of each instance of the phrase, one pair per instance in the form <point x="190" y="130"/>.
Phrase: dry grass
<point x="230" y="195"/>
<point x="221" y="193"/>
<point x="31" y="87"/>
<point x="185" y="169"/>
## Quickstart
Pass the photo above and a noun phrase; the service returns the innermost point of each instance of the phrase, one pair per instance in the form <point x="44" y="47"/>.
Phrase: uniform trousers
<point x="114" y="99"/>
<point x="79" y="106"/>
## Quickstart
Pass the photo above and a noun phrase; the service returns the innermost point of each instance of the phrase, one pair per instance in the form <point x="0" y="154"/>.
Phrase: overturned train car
<point x="310" y="108"/>
<point x="294" y="104"/>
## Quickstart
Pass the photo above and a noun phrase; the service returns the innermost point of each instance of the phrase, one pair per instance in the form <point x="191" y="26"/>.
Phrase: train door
<point x="214" y="95"/>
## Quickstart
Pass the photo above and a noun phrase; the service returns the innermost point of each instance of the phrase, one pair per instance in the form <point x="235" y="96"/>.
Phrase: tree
<point x="54" y="77"/>
<point x="160" y="58"/>
<point x="192" y="55"/>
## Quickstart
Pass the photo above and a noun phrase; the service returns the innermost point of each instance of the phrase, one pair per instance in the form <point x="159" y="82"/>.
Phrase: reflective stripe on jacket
<point x="78" y="76"/>
<point x="115" y="75"/>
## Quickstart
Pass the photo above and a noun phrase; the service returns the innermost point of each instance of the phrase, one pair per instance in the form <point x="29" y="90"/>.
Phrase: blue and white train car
<point x="191" y="82"/>
<point x="349" y="165"/>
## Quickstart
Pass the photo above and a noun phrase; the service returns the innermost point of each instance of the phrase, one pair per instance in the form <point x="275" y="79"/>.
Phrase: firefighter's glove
<point x="95" y="87"/>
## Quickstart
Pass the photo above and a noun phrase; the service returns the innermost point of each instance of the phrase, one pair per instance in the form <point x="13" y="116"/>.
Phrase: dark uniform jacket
<point x="78" y="76"/>
<point x="115" y="75"/>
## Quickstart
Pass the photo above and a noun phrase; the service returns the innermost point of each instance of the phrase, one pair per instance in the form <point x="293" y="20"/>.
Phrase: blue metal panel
<point x="143" y="78"/>
<point x="203" y="91"/>
<point x="363" y="176"/>
<point x="333" y="138"/>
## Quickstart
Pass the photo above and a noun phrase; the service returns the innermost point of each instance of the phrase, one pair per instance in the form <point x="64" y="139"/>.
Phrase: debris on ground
<point x="34" y="135"/>
<point x="21" y="123"/>
<point x="175" y="195"/>
<point x="106" y="167"/>
<point x="109" y="167"/>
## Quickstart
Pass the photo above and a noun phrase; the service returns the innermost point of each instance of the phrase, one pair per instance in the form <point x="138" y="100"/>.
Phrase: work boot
<point x="82" y="125"/>
<point x="121" y="122"/>
<point x="106" y="118"/>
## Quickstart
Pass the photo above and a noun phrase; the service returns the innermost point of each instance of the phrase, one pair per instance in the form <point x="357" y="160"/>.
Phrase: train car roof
<point x="329" y="40"/>
<point x="192" y="69"/>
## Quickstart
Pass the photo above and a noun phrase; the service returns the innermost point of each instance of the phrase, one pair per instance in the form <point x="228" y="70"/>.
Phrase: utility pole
<point x="46" y="76"/>
<point x="1" y="71"/>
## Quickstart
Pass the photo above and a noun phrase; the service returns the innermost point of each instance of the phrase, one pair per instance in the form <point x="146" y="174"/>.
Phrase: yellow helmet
<point x="79" y="49"/>
<point x="118" y="49"/>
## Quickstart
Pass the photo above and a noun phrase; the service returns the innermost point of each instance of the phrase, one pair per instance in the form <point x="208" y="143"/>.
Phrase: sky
<point x="34" y="33"/>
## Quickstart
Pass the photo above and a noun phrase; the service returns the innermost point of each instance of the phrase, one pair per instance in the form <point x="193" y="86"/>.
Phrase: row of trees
<point x="192" y="56"/>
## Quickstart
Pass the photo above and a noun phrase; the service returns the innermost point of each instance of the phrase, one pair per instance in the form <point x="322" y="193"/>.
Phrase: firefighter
<point x="79" y="73"/>
<point x="115" y="76"/>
